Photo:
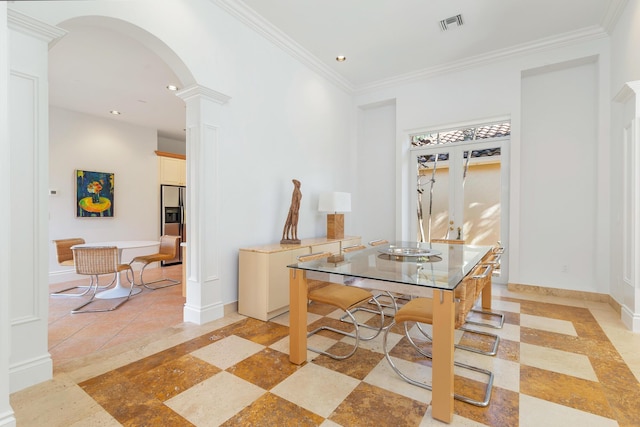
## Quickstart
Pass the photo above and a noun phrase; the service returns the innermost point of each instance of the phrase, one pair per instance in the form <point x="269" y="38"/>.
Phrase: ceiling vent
<point x="446" y="23"/>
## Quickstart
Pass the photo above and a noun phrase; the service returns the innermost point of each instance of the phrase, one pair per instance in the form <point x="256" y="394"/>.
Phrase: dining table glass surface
<point x="420" y="264"/>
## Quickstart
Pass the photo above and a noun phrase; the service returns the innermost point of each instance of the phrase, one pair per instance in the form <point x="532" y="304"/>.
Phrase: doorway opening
<point x="461" y="182"/>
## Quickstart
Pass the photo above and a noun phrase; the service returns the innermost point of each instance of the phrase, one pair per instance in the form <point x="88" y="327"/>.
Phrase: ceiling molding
<point x="580" y="36"/>
<point x="253" y="20"/>
<point x="198" y="90"/>
<point x="613" y="13"/>
<point x="25" y="24"/>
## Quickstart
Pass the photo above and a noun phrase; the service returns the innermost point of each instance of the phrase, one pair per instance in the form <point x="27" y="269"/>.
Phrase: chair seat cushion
<point x="339" y="296"/>
<point x="153" y="258"/>
<point x="418" y="310"/>
<point x="123" y="267"/>
<point x="67" y="263"/>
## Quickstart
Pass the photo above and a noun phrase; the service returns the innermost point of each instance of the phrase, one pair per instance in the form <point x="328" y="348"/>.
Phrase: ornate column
<point x="26" y="201"/>
<point x="204" y="112"/>
<point x="628" y="285"/>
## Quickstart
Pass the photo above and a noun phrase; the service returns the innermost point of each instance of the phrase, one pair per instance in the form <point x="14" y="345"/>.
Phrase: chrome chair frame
<point x="96" y="261"/>
<point x="167" y="251"/>
<point x="488" y="387"/>
<point x="65" y="258"/>
<point x="346" y="298"/>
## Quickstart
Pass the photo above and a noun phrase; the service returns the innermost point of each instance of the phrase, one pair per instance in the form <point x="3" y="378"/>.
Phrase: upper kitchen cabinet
<point x="172" y="168"/>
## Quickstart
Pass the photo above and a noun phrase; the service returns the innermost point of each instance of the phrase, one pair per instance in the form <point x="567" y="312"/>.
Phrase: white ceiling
<point x="94" y="69"/>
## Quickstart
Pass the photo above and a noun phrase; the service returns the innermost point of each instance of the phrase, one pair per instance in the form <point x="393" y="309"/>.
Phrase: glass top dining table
<point x="431" y="270"/>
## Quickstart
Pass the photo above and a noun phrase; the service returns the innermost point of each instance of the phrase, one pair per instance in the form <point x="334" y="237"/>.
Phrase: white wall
<point x="171" y="145"/>
<point x="559" y="177"/>
<point x="373" y="204"/>
<point x="81" y="141"/>
<point x="493" y="90"/>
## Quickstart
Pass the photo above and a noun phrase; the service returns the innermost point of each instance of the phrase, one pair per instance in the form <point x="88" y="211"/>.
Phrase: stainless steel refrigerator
<point x="172" y="216"/>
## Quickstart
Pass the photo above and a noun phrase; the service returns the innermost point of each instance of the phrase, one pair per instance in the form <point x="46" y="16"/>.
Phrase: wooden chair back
<point x="63" y="249"/>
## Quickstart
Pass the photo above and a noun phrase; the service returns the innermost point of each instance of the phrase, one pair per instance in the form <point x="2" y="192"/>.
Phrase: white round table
<point x="119" y="291"/>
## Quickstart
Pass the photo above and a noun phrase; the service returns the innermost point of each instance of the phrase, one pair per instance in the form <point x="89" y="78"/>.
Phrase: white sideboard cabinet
<point x="263" y="276"/>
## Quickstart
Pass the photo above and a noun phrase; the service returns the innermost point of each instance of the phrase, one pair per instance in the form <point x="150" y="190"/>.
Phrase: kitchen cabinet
<point x="263" y="276"/>
<point x="173" y="171"/>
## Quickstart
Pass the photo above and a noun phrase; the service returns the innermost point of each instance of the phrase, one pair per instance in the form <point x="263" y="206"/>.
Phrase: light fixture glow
<point x="341" y="58"/>
<point x="115" y="112"/>
<point x="172" y="88"/>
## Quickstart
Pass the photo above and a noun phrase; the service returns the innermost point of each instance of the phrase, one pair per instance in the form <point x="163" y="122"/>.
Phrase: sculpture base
<point x="290" y="242"/>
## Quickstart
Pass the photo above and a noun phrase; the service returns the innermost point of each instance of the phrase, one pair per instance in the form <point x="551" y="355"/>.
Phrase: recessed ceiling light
<point x="341" y="58"/>
<point x="172" y="88"/>
<point x="115" y="112"/>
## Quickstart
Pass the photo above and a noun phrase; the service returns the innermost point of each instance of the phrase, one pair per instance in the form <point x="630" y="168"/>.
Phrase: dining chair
<point x="347" y="299"/>
<point x="94" y="262"/>
<point x="65" y="259"/>
<point x="420" y="310"/>
<point x="167" y="251"/>
<point x="491" y="263"/>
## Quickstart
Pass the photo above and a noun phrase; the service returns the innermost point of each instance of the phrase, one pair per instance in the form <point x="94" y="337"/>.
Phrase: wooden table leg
<point x="443" y="347"/>
<point x="486" y="295"/>
<point x="297" y="316"/>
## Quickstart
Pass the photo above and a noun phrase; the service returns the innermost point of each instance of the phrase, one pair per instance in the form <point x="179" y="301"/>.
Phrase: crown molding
<point x="613" y="13"/>
<point x="628" y="91"/>
<point x="573" y="37"/>
<point x="253" y="20"/>
<point x="198" y="90"/>
<point x="25" y="24"/>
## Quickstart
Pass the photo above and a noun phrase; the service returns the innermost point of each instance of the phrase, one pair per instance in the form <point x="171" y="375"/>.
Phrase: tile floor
<point x="561" y="362"/>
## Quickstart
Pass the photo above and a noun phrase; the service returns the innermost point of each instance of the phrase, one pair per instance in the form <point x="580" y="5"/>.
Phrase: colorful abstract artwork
<point x="94" y="194"/>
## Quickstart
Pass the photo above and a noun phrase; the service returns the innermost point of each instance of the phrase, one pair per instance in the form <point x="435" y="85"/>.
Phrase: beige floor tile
<point x="499" y="305"/>
<point x="315" y="388"/>
<point x="551" y="325"/>
<point x="215" y="400"/>
<point x="536" y="412"/>
<point x="557" y="361"/>
<point x="384" y="376"/>
<point x="506" y="373"/>
<point x="56" y="402"/>
<point x="227" y="351"/>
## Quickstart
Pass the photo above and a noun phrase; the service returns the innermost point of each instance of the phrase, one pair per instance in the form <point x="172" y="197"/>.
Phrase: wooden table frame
<point x="443" y="338"/>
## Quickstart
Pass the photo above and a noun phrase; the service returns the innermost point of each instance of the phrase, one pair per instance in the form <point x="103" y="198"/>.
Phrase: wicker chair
<point x="65" y="258"/>
<point x="96" y="261"/>
<point x="168" y="251"/>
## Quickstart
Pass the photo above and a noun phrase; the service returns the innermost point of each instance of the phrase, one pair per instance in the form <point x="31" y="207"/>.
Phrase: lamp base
<point x="335" y="226"/>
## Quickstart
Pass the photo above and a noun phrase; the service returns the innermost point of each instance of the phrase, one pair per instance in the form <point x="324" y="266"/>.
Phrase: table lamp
<point x="335" y="202"/>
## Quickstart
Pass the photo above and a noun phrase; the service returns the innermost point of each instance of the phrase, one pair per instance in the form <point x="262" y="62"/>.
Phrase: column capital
<point x="202" y="91"/>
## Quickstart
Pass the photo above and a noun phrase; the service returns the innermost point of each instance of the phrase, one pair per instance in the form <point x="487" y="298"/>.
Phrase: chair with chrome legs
<point x="65" y="259"/>
<point x="346" y="298"/>
<point x="96" y="261"/>
<point x="168" y="251"/>
<point x="491" y="263"/>
<point x="465" y="296"/>
<point x="419" y="310"/>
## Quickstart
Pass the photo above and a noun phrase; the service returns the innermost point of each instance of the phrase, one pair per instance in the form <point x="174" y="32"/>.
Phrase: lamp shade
<point x="335" y="202"/>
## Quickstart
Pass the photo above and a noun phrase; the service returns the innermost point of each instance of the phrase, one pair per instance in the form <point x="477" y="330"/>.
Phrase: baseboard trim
<point x="8" y="419"/>
<point x="202" y="315"/>
<point x="566" y="293"/>
<point x="30" y="372"/>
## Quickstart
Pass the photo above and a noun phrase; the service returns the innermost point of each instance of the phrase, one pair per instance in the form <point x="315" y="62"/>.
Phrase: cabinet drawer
<point x="333" y="247"/>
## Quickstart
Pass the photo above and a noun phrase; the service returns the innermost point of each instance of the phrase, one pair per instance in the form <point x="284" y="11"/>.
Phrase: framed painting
<point x="94" y="194"/>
